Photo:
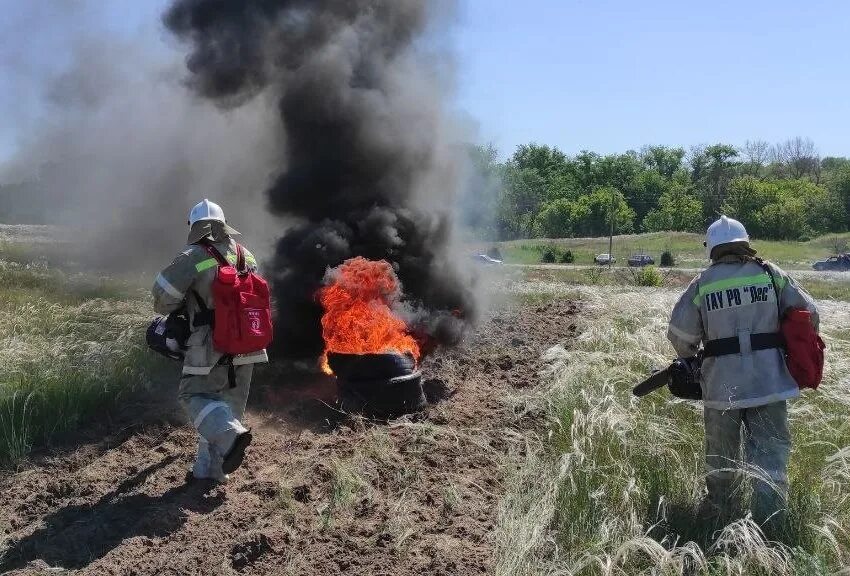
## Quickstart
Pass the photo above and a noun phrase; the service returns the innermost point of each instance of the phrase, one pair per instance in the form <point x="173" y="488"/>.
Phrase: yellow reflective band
<point x="206" y="264"/>
<point x="232" y="258"/>
<point x="728" y="283"/>
<point x="251" y="260"/>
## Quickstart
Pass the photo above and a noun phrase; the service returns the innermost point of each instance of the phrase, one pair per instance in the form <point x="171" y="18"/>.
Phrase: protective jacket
<point x="187" y="278"/>
<point x="735" y="298"/>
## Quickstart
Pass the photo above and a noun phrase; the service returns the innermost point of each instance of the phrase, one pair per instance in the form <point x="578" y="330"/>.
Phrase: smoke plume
<point x="367" y="167"/>
<point x="114" y="148"/>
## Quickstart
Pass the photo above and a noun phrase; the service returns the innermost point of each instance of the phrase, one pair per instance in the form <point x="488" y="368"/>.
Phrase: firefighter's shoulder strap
<point x="763" y="341"/>
<point x="222" y="261"/>
<point x="776" y="292"/>
<point x="205" y="315"/>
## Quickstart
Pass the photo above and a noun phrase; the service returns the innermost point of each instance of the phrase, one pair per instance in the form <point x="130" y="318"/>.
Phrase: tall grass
<point x="71" y="348"/>
<point x="614" y="487"/>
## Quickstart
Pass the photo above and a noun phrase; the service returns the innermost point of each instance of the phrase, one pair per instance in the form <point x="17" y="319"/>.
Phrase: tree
<point x="784" y="209"/>
<point x="800" y="157"/>
<point x="678" y="210"/>
<point x="524" y="190"/>
<point x="747" y="196"/>
<point x="832" y="163"/>
<point x="591" y="214"/>
<point x="713" y="170"/>
<point x="665" y="161"/>
<point x="644" y="193"/>
<point x="839" y="186"/>
<point x="757" y="154"/>
<point x="555" y="220"/>
<point x="785" y="219"/>
<point x="543" y="159"/>
<point x="550" y="164"/>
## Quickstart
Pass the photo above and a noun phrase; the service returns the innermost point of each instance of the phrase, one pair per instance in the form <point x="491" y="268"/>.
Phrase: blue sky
<point x="611" y="75"/>
<point x="606" y="75"/>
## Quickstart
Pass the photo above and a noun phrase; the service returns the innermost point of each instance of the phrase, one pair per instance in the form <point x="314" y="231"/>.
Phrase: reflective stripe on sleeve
<point x="168" y="288"/>
<point x="206" y="264"/>
<point x="689" y="338"/>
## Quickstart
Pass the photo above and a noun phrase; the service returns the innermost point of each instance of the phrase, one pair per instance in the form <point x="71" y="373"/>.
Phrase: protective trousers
<point x="216" y="408"/>
<point x="766" y="447"/>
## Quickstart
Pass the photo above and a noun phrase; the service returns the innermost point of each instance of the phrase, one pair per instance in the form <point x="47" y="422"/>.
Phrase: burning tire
<point x="378" y="385"/>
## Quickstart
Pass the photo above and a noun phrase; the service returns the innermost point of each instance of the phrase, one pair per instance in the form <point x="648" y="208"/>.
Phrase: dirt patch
<point x="320" y="493"/>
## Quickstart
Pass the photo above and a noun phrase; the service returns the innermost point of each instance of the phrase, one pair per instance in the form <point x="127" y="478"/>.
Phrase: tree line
<point x="785" y="191"/>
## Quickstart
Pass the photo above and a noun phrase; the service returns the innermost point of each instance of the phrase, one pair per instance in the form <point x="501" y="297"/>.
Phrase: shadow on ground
<point x="74" y="536"/>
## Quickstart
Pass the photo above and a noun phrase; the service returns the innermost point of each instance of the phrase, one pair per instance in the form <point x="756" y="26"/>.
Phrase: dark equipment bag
<point x="167" y="335"/>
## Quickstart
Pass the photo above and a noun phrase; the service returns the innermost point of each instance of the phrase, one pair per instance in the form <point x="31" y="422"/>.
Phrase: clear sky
<point x="604" y="75"/>
<point x="609" y="75"/>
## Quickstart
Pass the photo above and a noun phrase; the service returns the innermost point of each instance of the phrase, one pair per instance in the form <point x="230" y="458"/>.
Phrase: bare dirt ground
<point x="318" y="494"/>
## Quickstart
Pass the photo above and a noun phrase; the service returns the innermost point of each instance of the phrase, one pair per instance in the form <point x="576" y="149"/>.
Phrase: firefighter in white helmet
<point x="731" y="309"/>
<point x="213" y="388"/>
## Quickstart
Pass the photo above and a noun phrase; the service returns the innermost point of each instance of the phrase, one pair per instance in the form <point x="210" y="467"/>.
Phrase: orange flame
<point x="358" y="318"/>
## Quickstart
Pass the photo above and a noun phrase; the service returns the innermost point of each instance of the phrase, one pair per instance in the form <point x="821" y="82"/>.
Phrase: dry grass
<point x="612" y="489"/>
<point x="71" y="348"/>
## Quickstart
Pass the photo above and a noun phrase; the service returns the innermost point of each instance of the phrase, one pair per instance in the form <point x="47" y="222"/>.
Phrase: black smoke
<point x="367" y="167"/>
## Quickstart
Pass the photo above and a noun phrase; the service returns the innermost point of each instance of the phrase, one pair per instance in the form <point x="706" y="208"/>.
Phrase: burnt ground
<point x="320" y="493"/>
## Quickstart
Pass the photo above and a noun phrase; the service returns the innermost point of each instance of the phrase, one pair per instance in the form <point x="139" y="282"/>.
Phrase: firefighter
<point x="731" y="309"/>
<point x="213" y="388"/>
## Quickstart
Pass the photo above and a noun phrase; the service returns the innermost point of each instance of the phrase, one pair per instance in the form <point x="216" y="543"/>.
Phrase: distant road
<point x="799" y="273"/>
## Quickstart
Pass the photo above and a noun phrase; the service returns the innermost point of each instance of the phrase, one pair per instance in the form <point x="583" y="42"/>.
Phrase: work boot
<point x="708" y="512"/>
<point x="769" y="507"/>
<point x="725" y="492"/>
<point x="207" y="465"/>
<point x="235" y="455"/>
<point x="229" y="445"/>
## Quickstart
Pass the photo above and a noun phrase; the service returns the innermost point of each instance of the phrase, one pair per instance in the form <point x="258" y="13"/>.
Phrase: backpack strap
<point x="213" y="251"/>
<point x="222" y="261"/>
<point x="241" y="268"/>
<point x="205" y="316"/>
<point x="766" y="267"/>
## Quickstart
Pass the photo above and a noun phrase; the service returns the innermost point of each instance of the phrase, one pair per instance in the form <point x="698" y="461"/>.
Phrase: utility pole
<point x="611" y="235"/>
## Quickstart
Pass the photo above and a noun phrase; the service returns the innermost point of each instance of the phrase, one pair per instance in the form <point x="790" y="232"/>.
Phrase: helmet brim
<point x="203" y="228"/>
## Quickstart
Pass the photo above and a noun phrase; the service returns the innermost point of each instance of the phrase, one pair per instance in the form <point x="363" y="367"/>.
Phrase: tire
<point x="383" y="399"/>
<point x="366" y="367"/>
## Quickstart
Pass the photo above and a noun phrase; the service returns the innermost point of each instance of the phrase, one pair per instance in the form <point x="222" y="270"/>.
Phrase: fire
<point x="358" y="317"/>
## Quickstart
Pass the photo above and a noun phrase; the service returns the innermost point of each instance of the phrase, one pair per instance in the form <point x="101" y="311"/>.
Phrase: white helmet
<point x="724" y="231"/>
<point x="206" y="210"/>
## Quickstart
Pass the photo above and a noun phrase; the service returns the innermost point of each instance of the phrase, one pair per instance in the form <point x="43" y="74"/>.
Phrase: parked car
<point x="838" y="263"/>
<point x="641" y="260"/>
<point x="604" y="259"/>
<point x="484" y="259"/>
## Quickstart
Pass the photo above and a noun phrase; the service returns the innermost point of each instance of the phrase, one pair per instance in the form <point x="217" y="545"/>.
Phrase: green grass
<point x="613" y="487"/>
<point x="686" y="248"/>
<point x="72" y="348"/>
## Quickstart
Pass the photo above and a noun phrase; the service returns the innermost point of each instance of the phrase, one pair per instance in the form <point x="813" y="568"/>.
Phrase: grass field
<point x="826" y="286"/>
<point x="609" y="484"/>
<point x="71" y="347"/>
<point x="686" y="248"/>
<point x="612" y="487"/>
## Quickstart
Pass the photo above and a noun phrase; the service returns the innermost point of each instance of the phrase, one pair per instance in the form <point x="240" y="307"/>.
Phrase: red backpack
<point x="242" y="308"/>
<point x="804" y="348"/>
